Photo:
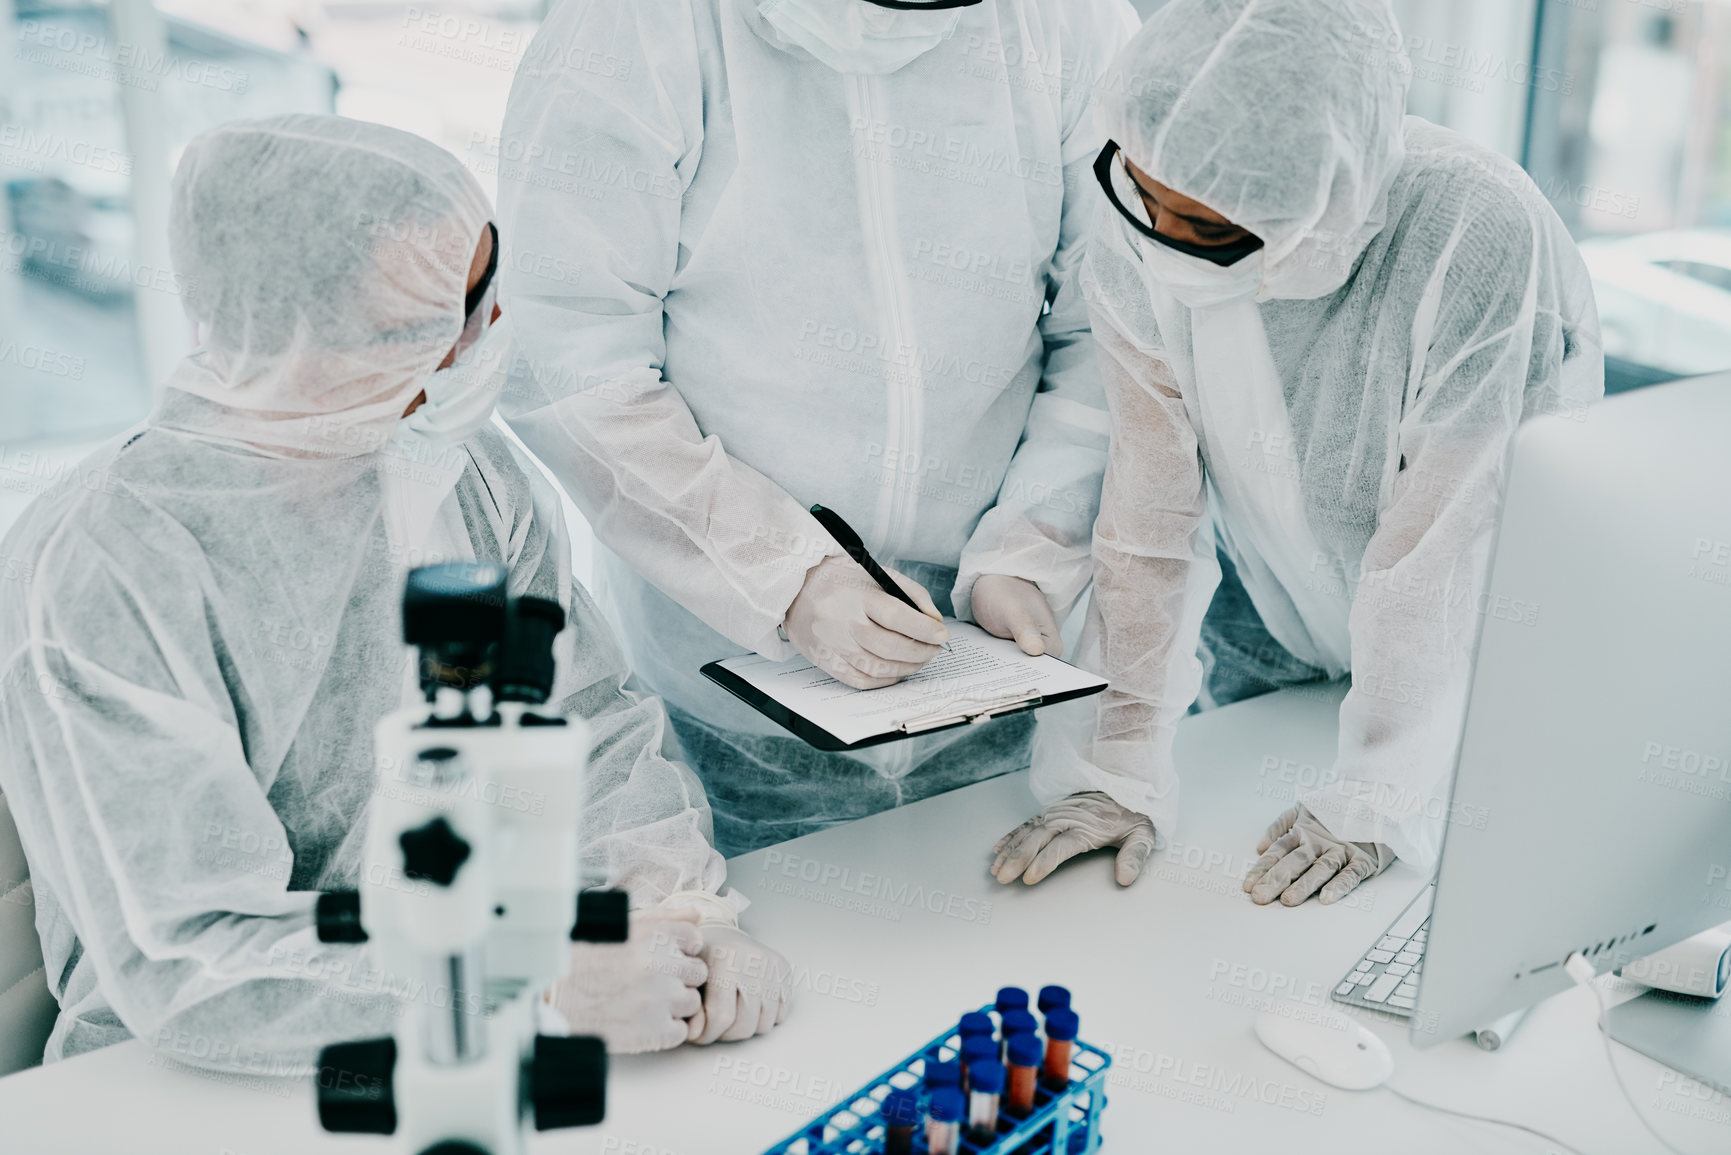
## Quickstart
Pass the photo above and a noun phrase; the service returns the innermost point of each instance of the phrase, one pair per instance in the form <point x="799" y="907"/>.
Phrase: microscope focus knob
<point x="567" y="1081"/>
<point x="434" y="852"/>
<point x="337" y="915"/>
<point x="354" y="1081"/>
<point x="602" y="916"/>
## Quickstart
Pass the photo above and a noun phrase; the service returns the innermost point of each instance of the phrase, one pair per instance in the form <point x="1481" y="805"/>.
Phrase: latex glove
<point x="1081" y="822"/>
<point x="637" y="995"/>
<point x="1300" y="857"/>
<point x="857" y="634"/>
<point x="749" y="991"/>
<point x="1012" y="607"/>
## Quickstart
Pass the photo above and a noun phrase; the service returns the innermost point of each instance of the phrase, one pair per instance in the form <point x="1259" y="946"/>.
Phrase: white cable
<point x="1582" y="972"/>
<point x="1482" y="1119"/>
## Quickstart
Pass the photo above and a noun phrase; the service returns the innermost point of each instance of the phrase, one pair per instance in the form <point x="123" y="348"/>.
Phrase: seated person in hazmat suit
<point x="1320" y="322"/>
<point x="194" y="669"/>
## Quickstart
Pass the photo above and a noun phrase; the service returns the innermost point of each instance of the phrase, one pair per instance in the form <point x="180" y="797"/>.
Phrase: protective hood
<point x="1284" y="116"/>
<point x="324" y="261"/>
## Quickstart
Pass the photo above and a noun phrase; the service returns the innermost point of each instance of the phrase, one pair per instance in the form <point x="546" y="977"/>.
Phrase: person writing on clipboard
<point x="781" y="254"/>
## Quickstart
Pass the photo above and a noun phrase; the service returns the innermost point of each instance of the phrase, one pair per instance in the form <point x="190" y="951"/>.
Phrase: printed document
<point x="978" y="673"/>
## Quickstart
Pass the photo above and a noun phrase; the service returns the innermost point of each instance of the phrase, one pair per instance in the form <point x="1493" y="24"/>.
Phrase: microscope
<point x="470" y="889"/>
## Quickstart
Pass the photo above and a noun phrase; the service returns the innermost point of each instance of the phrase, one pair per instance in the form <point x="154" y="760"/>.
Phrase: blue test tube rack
<point x="1063" y="1122"/>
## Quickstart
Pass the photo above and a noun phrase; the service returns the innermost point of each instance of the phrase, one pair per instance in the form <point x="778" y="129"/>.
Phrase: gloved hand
<point x="1012" y="607"/>
<point x="749" y="991"/>
<point x="1299" y="847"/>
<point x="857" y="634"/>
<point x="1081" y="822"/>
<point x="639" y="994"/>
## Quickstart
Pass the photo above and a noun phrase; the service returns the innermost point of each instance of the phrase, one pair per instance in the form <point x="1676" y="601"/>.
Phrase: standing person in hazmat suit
<point x="1320" y="322"/>
<point x="766" y="254"/>
<point x="213" y="626"/>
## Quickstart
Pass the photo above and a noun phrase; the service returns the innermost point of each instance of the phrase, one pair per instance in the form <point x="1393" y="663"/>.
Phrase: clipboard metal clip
<point x="977" y="710"/>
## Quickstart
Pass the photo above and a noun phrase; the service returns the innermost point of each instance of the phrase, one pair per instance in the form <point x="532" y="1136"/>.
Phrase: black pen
<point x="850" y="541"/>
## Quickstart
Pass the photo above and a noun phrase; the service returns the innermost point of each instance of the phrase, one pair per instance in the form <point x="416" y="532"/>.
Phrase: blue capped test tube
<point x="1020" y="1022"/>
<point x="985" y="1088"/>
<point x="944" y="1122"/>
<point x="902" y="1114"/>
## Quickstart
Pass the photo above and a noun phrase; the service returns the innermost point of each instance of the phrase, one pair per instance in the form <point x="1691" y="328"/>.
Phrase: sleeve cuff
<point x="772" y="642"/>
<point x="1137" y="775"/>
<point x="962" y="593"/>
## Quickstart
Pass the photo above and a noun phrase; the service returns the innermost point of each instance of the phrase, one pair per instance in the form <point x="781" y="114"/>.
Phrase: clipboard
<point x="981" y="678"/>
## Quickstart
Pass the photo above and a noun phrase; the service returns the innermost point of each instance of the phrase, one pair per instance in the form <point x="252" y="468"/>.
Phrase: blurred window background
<point x="1636" y="155"/>
<point x="1616" y="108"/>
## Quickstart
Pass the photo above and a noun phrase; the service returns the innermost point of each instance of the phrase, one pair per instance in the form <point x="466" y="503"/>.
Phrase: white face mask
<point x="460" y="399"/>
<point x="417" y="476"/>
<point x="1200" y="284"/>
<point x="856" y="36"/>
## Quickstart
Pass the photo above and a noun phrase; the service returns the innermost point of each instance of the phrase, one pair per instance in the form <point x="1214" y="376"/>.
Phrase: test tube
<point x="976" y="1048"/>
<point x="1016" y="1023"/>
<point x="901" y="1116"/>
<point x="1061" y="1027"/>
<point x="975" y="1023"/>
<point x="985" y="1085"/>
<point x="1051" y="998"/>
<point x="1011" y="999"/>
<point x="1023" y="1073"/>
<point x="941" y="1075"/>
<point x="944" y="1122"/>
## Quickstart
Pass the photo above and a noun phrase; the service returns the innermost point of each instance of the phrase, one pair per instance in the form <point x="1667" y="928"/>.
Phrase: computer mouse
<point x="1325" y="1044"/>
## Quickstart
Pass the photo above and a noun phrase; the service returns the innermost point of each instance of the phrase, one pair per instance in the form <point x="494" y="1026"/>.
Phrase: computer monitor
<point x="1591" y="804"/>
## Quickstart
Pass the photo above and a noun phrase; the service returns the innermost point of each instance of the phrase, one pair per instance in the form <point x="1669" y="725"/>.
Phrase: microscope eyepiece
<point x="472" y="633"/>
<point x="525" y="671"/>
<point x="455" y="615"/>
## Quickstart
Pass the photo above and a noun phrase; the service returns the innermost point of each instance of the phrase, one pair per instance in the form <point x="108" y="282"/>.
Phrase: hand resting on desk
<point x="1301" y="858"/>
<point x="1075" y="825"/>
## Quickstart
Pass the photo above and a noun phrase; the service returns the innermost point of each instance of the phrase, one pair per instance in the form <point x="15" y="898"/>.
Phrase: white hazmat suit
<point x="746" y="279"/>
<point x="212" y="624"/>
<point x="1331" y="412"/>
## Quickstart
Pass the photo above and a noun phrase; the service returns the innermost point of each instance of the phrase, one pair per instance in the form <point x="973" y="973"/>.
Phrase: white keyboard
<point x="1386" y="978"/>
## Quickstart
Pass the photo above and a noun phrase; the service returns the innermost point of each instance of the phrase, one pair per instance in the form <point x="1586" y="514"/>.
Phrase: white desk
<point x="1166" y="974"/>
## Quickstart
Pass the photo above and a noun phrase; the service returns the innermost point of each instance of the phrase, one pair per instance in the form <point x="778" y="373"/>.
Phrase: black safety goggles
<point x="1229" y="253"/>
<point x="923" y="5"/>
<point x="472" y="299"/>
